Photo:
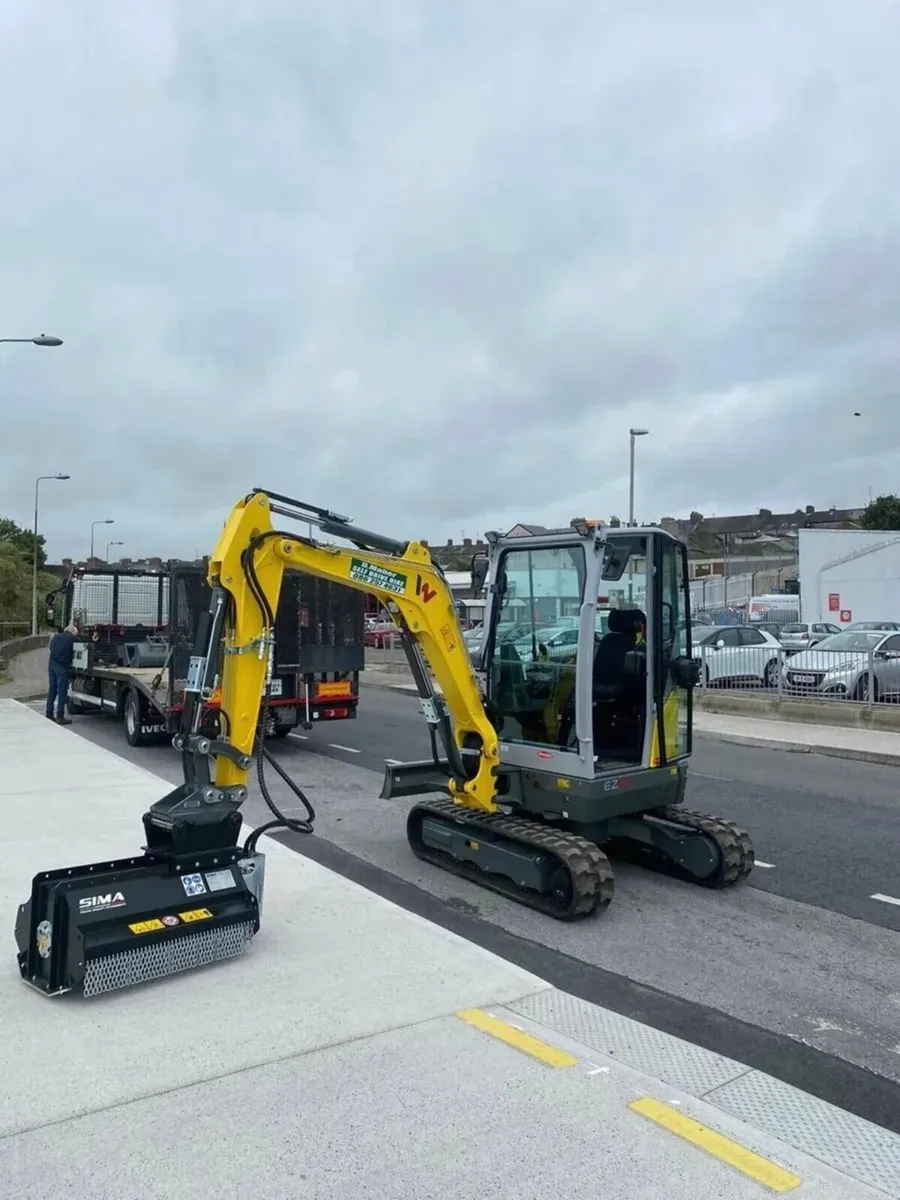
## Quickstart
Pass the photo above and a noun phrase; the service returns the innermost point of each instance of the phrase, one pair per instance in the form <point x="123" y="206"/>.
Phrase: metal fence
<point x="10" y="630"/>
<point x="724" y="591"/>
<point x="867" y="675"/>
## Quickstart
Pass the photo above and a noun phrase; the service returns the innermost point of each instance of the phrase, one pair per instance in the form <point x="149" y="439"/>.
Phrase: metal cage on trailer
<point x="137" y="630"/>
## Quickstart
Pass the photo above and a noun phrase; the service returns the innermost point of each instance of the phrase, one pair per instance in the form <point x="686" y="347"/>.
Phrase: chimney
<point x="467" y="542"/>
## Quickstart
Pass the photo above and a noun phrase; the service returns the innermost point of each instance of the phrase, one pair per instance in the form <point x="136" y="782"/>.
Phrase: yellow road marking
<point x="761" y="1169"/>
<point x="552" y="1056"/>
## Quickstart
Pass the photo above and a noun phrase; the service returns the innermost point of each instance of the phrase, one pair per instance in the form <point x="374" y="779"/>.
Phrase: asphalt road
<point x="797" y="972"/>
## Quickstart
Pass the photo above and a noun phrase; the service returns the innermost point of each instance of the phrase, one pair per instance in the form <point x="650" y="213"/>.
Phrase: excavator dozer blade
<point x="416" y="779"/>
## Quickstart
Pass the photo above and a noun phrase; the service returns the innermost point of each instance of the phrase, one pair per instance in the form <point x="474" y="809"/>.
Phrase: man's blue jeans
<point x="58" y="691"/>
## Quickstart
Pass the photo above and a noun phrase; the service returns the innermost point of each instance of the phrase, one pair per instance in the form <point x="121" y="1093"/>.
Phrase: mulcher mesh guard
<point x="116" y="971"/>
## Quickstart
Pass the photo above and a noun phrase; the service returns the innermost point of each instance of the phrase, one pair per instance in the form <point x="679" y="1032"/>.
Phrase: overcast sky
<point x="427" y="262"/>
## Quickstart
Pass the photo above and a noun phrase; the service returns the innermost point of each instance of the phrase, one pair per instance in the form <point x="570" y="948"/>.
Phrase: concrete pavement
<point x="799" y="968"/>
<point x="354" y="1028"/>
<point x="863" y="745"/>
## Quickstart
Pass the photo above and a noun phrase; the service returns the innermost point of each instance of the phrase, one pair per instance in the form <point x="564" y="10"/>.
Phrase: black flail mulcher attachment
<point x="184" y="903"/>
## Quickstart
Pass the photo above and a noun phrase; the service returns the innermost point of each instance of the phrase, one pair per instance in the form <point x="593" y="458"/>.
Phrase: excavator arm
<point x="235" y="647"/>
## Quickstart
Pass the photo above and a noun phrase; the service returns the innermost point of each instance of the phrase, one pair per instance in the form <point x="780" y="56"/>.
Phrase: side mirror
<point x="50" y="609"/>
<point x="480" y="566"/>
<point x="615" y="560"/>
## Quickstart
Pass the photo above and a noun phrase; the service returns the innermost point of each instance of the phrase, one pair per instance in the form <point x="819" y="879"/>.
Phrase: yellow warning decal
<point x="196" y="914"/>
<point x="146" y="926"/>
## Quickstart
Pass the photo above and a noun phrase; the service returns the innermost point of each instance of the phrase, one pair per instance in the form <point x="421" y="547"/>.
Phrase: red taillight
<point x="804" y="637"/>
<point x="331" y="713"/>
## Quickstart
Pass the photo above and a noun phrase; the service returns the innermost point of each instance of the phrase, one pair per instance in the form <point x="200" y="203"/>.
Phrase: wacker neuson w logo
<point x="96" y="903"/>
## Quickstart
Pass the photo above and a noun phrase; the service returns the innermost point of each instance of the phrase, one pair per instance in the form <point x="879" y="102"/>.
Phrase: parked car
<point x="378" y="635"/>
<point x="773" y="627"/>
<point x="841" y="666"/>
<point x="736" y="654"/>
<point x="860" y="626"/>
<point x="804" y="634"/>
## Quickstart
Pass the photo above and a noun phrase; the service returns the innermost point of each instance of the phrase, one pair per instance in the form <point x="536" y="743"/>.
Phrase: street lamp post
<point x="108" y="544"/>
<point x="94" y="524"/>
<point x="633" y="434"/>
<point x="41" y="340"/>
<point x="34" y="574"/>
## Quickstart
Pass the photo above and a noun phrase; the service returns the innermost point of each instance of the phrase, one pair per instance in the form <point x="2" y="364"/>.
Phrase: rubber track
<point x="590" y="872"/>
<point x="734" y="844"/>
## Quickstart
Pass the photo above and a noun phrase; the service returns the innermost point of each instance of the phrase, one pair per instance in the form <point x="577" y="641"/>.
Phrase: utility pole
<point x="34" y="571"/>
<point x="633" y="435"/>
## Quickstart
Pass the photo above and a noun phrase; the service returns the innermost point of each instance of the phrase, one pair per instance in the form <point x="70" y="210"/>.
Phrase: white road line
<point x="765" y="866"/>
<point x="720" y="778"/>
<point x="301" y="737"/>
<point x="347" y="749"/>
<point x="885" y="899"/>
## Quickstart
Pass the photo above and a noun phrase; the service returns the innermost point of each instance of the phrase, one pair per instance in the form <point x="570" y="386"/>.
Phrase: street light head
<point x="62" y="476"/>
<point x="638" y="432"/>
<point x="109" y="521"/>
<point x="45" y="340"/>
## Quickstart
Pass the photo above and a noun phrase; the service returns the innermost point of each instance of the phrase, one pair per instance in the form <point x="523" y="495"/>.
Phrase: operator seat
<point x="509" y="693"/>
<point x="609" y="657"/>
<point x="619" y="683"/>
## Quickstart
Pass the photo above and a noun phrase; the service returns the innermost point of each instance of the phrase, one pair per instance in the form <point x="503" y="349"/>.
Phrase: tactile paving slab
<point x="676" y="1062"/>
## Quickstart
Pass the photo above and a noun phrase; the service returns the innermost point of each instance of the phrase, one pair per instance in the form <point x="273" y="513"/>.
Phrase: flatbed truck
<point x="136" y="634"/>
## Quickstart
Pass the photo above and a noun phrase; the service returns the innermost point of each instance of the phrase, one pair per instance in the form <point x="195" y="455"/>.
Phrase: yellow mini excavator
<point x="575" y="735"/>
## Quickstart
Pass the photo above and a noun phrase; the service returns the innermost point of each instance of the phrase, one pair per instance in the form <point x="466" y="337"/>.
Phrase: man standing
<point x="62" y="646"/>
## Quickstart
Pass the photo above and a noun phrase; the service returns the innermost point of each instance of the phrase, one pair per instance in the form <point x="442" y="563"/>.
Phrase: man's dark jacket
<point x="61" y="647"/>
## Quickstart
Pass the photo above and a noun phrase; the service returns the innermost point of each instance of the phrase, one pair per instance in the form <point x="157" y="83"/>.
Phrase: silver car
<point x="842" y="666"/>
<point x="803" y="635"/>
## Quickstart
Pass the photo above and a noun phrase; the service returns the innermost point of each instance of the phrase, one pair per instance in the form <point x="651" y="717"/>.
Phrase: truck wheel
<point x="132" y="717"/>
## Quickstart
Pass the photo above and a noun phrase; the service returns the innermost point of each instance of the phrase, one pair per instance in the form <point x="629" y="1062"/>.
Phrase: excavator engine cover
<point x="109" y="925"/>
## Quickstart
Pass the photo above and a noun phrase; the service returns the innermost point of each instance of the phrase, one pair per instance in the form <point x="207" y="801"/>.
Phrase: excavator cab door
<point x="540" y="619"/>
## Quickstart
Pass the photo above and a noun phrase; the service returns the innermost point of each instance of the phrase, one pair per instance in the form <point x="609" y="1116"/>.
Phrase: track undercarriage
<point x="553" y="867"/>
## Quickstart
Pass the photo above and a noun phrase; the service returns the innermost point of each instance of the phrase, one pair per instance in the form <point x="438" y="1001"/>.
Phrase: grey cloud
<point x="427" y="263"/>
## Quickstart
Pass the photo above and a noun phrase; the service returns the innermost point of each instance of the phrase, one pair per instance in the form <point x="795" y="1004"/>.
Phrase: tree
<point x="882" y="513"/>
<point x="23" y="540"/>
<point x="15" y="592"/>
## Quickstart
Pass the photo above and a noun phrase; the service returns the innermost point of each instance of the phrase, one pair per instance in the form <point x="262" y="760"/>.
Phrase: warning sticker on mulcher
<point x="150" y="926"/>
<point x="219" y="881"/>
<point x="193" y="884"/>
<point x="196" y="914"/>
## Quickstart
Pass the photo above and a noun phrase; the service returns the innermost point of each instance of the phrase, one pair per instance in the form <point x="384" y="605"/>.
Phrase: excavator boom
<point x="245" y="573"/>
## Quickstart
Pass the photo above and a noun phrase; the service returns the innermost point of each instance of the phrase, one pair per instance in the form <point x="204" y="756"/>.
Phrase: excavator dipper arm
<point x="236" y="642"/>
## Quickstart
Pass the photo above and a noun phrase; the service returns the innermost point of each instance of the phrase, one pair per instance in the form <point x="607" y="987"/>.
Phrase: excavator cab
<point x="586" y="668"/>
